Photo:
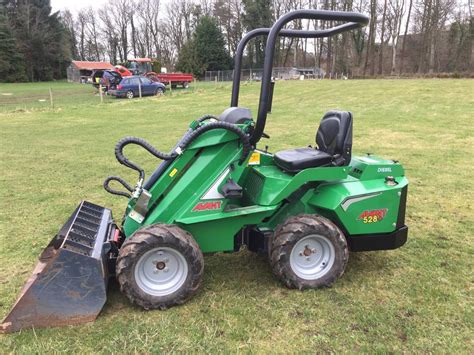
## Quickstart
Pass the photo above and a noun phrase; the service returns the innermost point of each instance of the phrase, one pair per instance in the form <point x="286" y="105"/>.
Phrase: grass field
<point x="415" y="299"/>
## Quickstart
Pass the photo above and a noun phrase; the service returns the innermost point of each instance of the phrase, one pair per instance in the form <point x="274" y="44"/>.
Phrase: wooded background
<point x="404" y="37"/>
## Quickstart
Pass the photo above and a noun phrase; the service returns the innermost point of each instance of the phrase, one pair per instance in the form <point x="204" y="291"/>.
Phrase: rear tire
<point x="130" y="94"/>
<point x="186" y="85"/>
<point x="308" y="252"/>
<point x="159" y="266"/>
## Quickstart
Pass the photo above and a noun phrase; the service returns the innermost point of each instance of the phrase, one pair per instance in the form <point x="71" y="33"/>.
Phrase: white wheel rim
<point x="312" y="257"/>
<point x="161" y="271"/>
<point x="130" y="95"/>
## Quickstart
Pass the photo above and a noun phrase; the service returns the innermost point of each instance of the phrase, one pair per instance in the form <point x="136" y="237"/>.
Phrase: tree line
<point x="404" y="37"/>
<point x="34" y="44"/>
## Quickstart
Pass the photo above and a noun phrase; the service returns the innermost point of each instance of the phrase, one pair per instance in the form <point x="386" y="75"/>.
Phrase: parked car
<point x="130" y="87"/>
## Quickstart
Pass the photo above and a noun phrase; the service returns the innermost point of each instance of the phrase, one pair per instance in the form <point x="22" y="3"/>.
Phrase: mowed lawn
<point x="415" y="299"/>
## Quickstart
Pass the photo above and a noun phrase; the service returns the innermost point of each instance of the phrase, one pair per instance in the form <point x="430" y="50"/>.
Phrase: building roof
<point x="92" y="65"/>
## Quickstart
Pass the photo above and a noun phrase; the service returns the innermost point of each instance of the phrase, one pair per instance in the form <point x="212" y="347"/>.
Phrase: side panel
<point x="186" y="179"/>
<point x="218" y="234"/>
<point x="361" y="207"/>
<point x="188" y="194"/>
<point x="269" y="185"/>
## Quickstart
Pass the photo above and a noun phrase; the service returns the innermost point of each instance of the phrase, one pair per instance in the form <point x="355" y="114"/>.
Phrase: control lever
<point x="231" y="189"/>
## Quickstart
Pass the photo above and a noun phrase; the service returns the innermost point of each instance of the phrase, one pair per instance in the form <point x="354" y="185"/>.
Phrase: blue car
<point x="129" y="87"/>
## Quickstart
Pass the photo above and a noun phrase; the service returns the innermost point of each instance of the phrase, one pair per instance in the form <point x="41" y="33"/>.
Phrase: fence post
<point x="194" y="84"/>
<point x="139" y="88"/>
<point x="51" y="97"/>
<point x="101" y="93"/>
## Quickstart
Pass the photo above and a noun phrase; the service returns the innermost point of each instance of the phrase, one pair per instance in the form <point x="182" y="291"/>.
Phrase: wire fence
<point x="62" y="94"/>
<point x="277" y="73"/>
<point x="45" y="95"/>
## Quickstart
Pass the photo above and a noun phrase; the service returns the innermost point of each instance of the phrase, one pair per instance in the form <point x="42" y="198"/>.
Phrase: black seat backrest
<point x="334" y="136"/>
<point x="236" y="115"/>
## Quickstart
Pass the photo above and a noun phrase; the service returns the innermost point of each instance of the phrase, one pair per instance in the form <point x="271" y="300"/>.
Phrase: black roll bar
<point x="353" y="19"/>
<point x="234" y="102"/>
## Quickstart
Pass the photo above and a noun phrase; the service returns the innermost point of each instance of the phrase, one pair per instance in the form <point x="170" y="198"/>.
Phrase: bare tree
<point x="382" y="37"/>
<point x="134" y="35"/>
<point x="120" y="11"/>
<point x="92" y="34"/>
<point x="359" y="37"/>
<point x="178" y="22"/>
<point x="394" y="21"/>
<point x="228" y="14"/>
<point x="147" y="12"/>
<point x="81" y="25"/>
<point x="407" y="23"/>
<point x="111" y="36"/>
<point x="436" y="34"/>
<point x="69" y="23"/>
<point x="370" y="53"/>
<point x="431" y="17"/>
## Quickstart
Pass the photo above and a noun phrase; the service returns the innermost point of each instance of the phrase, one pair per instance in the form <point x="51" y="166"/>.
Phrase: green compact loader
<point x="304" y="208"/>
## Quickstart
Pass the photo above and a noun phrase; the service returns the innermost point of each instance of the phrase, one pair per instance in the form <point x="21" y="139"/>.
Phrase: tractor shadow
<point x="245" y="273"/>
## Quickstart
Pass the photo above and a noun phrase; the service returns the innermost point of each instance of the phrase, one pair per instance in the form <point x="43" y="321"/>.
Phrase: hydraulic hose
<point x="116" y="192"/>
<point x="183" y="142"/>
<point x="186" y="141"/>
<point x="220" y="125"/>
<point x="121" y="144"/>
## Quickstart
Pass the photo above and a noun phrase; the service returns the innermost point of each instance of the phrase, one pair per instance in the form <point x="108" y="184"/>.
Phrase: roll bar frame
<point x="354" y="20"/>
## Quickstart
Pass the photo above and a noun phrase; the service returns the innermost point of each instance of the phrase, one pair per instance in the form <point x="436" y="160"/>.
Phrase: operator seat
<point x="236" y="115"/>
<point x="334" y="146"/>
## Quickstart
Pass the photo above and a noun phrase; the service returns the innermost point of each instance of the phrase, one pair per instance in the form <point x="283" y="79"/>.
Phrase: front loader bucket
<point x="69" y="283"/>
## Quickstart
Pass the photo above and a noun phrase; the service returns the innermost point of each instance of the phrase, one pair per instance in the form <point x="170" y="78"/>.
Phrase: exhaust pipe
<point x="69" y="283"/>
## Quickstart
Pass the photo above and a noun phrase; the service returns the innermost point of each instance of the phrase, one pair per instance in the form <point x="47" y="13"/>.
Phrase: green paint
<point x="183" y="194"/>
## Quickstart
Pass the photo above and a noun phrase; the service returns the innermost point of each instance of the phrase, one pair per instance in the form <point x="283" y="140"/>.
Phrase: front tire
<point x="159" y="92"/>
<point x="308" y="252"/>
<point x="160" y="266"/>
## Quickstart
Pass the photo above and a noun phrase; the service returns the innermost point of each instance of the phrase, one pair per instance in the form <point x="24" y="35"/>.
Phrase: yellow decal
<point x="370" y="219"/>
<point x="254" y="159"/>
<point x="173" y="172"/>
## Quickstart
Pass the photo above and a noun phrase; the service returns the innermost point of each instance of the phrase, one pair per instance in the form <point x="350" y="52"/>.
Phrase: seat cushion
<point x="295" y="160"/>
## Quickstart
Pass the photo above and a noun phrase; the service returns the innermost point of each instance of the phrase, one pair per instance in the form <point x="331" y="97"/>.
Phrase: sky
<point x="75" y="5"/>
